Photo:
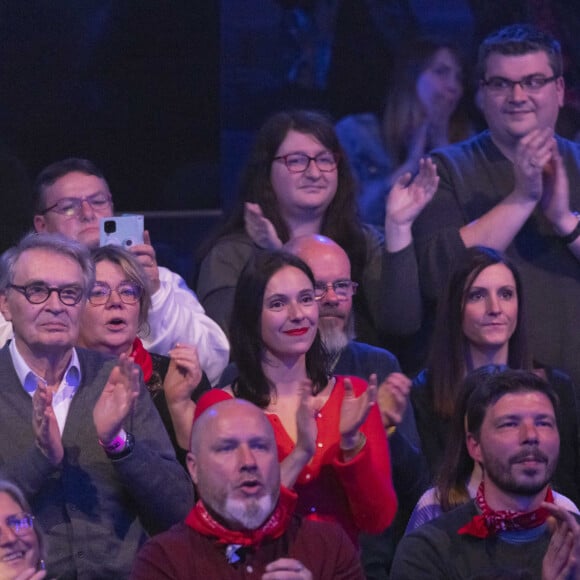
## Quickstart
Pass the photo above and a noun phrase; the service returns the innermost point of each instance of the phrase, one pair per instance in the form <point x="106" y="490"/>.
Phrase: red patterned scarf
<point x="142" y="358"/>
<point x="490" y="522"/>
<point x="201" y="521"/>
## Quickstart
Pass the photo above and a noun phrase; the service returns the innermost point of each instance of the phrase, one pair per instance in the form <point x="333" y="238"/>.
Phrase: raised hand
<point x="260" y="228"/>
<point x="562" y="558"/>
<point x="45" y="426"/>
<point x="306" y="428"/>
<point x="408" y="196"/>
<point x="117" y="399"/>
<point x="183" y="376"/>
<point x="555" y="202"/>
<point x="533" y="153"/>
<point x="393" y="395"/>
<point x="354" y="411"/>
<point x="145" y="254"/>
<point x="306" y="432"/>
<point x="406" y="200"/>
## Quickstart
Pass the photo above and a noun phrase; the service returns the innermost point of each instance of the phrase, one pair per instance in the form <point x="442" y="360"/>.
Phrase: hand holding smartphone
<point x="124" y="230"/>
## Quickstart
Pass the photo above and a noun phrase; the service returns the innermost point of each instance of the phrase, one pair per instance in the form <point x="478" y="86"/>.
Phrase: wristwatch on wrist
<point x="120" y="446"/>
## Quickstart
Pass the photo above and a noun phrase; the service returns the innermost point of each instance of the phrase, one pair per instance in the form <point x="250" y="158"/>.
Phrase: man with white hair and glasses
<point x="78" y="431"/>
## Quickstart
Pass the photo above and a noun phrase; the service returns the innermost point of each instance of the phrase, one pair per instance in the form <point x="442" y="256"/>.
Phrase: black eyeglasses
<point x="299" y="162"/>
<point x="38" y="293"/>
<point x="343" y="289"/>
<point x="128" y="292"/>
<point x="71" y="206"/>
<point x="20" y="523"/>
<point x="529" y="84"/>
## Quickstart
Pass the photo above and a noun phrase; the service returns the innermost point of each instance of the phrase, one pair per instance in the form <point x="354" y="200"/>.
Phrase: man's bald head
<point x="331" y="267"/>
<point x="234" y="463"/>
<point x="316" y="249"/>
<point x="228" y="408"/>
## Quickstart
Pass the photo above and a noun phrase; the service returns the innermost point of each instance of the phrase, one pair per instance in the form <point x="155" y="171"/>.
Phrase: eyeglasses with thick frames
<point x="38" y="293"/>
<point x="20" y="523"/>
<point x="299" y="162"/>
<point x="529" y="84"/>
<point x="343" y="289"/>
<point x="71" y="206"/>
<point x="128" y="292"/>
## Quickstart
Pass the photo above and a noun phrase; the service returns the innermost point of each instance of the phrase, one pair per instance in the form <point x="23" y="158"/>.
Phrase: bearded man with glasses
<point x="514" y="188"/>
<point x="333" y="290"/>
<point x="78" y="430"/>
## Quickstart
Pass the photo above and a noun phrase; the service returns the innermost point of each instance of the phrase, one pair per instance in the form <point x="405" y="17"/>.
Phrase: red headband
<point x="209" y="399"/>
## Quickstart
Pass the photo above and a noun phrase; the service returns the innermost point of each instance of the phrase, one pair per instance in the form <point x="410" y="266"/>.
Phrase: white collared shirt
<point x="67" y="388"/>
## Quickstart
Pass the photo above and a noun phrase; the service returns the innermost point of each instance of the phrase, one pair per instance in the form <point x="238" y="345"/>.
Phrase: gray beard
<point x="249" y="515"/>
<point x="336" y="339"/>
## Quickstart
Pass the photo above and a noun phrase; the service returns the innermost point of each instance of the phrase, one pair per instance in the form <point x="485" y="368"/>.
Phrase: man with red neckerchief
<point x="517" y="526"/>
<point x="243" y="524"/>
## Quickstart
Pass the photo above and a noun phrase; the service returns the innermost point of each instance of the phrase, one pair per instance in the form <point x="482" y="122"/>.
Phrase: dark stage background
<point x="165" y="95"/>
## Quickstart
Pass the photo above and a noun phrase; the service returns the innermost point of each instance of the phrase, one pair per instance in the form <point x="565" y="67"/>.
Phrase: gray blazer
<point x="95" y="512"/>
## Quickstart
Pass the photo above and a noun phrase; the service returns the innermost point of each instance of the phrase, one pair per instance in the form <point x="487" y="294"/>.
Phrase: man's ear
<point x="39" y="223"/>
<point x="191" y="461"/>
<point x="473" y="447"/>
<point x="4" y="308"/>
<point x="560" y="90"/>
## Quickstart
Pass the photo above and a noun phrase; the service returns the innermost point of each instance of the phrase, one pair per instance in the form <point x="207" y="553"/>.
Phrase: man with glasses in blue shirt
<point x="72" y="195"/>
<point x="514" y="188"/>
<point x="79" y="433"/>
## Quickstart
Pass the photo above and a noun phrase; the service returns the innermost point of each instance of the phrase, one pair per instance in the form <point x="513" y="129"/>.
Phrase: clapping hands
<point x="45" y="426"/>
<point x="393" y="396"/>
<point x="562" y="559"/>
<point x="354" y="411"/>
<point x="260" y="228"/>
<point x="117" y="399"/>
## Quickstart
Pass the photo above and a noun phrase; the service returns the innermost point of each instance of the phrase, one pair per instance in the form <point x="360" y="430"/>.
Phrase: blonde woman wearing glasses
<point x="114" y="316"/>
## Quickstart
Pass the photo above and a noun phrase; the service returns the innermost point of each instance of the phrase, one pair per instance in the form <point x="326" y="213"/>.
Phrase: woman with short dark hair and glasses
<point x="297" y="182"/>
<point x="21" y="553"/>
<point x="114" y="317"/>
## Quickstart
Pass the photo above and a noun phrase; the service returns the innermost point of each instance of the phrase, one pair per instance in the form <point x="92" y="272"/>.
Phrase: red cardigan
<point x="358" y="494"/>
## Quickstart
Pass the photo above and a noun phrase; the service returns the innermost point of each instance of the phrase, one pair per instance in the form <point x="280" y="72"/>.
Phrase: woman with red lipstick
<point x="328" y="430"/>
<point x="116" y="312"/>
<point x="480" y="321"/>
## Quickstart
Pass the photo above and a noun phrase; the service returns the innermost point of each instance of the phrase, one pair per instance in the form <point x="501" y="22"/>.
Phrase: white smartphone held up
<point x="125" y="230"/>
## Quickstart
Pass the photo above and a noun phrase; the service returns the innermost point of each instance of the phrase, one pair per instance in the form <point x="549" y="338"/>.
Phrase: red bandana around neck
<point x="201" y="521"/>
<point x="142" y="358"/>
<point x="490" y="522"/>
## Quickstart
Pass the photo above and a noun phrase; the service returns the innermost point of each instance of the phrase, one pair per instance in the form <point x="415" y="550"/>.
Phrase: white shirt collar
<point x="28" y="378"/>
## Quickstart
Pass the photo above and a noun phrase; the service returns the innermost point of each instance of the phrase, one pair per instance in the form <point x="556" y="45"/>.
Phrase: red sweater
<point x="358" y="494"/>
<point x="182" y="554"/>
